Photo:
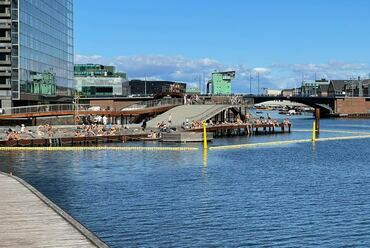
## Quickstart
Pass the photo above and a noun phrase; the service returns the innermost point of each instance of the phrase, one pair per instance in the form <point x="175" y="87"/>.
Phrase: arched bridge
<point x="325" y="104"/>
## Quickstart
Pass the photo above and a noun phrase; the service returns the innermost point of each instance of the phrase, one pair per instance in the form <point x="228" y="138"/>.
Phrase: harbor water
<point x="304" y="194"/>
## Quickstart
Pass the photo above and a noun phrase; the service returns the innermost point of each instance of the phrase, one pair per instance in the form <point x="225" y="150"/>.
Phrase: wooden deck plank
<point x="27" y="221"/>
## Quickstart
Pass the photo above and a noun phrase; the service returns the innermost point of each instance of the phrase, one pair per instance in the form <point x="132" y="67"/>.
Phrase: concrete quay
<point x="29" y="219"/>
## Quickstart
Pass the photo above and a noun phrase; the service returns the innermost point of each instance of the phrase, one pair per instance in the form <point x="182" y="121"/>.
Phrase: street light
<point x="76" y="100"/>
<point x="250" y="82"/>
<point x="258" y="76"/>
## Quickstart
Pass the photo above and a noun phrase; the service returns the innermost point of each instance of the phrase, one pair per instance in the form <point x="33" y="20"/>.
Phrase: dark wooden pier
<point x="244" y="129"/>
<point x="72" y="141"/>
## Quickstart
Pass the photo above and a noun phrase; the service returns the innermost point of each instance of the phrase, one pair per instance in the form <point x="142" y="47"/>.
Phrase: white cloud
<point x="89" y="59"/>
<point x="179" y="68"/>
<point x="261" y="70"/>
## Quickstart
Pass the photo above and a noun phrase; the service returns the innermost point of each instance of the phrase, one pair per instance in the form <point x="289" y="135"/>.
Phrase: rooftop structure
<point x="93" y="80"/>
<point x="96" y="70"/>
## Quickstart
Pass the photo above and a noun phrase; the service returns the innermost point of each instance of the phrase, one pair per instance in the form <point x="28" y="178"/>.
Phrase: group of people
<point x="164" y="127"/>
<point x="248" y="119"/>
<point x="12" y="135"/>
<point x="97" y="120"/>
<point x="192" y="99"/>
<point x="154" y="135"/>
<point x="191" y="125"/>
<point x="46" y="129"/>
<point x="96" y="130"/>
<point x="20" y="132"/>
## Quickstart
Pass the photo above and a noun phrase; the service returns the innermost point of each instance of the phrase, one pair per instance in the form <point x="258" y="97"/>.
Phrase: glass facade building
<point x="93" y="80"/>
<point x="41" y="44"/>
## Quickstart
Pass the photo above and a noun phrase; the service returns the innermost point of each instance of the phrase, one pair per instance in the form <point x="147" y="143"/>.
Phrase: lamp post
<point x="258" y="81"/>
<point x="76" y="100"/>
<point x="250" y="82"/>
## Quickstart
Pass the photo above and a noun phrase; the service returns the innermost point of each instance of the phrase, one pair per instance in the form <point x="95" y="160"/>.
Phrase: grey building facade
<point x="36" y="51"/>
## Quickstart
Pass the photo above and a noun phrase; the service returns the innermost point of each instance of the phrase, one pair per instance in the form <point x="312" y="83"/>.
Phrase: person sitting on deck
<point x="49" y="131"/>
<point x="40" y="130"/>
<point x="13" y="135"/>
<point x="78" y="134"/>
<point x="23" y="128"/>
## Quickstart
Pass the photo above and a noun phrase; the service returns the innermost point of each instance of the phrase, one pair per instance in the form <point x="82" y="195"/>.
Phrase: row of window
<point x="36" y="28"/>
<point x="37" y="47"/>
<point x="61" y="70"/>
<point x="49" y="10"/>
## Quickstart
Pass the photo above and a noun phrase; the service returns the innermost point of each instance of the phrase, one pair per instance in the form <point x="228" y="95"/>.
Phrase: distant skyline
<point x="284" y="40"/>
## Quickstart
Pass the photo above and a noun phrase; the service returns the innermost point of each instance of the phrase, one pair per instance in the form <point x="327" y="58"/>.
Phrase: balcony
<point x="5" y="15"/>
<point x="5" y="50"/>
<point x="5" y="71"/>
<point x="5" y="24"/>
<point x="5" y="38"/>
<point x="5" y="3"/>
<point x="5" y="62"/>
<point x="5" y="86"/>
<point x="5" y="74"/>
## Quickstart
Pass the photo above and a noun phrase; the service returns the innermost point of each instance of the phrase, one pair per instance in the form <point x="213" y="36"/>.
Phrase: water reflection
<point x="205" y="158"/>
<point x="280" y="196"/>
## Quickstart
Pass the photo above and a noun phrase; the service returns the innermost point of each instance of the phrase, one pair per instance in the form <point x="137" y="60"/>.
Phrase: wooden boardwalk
<point x="28" y="219"/>
<point x="244" y="129"/>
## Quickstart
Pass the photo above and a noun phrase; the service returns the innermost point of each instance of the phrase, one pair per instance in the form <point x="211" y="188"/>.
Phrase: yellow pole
<point x="205" y="143"/>
<point x="314" y="131"/>
<point x="204" y="168"/>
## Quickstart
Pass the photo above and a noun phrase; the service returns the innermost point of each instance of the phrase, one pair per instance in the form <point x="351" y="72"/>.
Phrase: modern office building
<point x="36" y="52"/>
<point x="93" y="80"/>
<point x="220" y="83"/>
<point x="151" y="87"/>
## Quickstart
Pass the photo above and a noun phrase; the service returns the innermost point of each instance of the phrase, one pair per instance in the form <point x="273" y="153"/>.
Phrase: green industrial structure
<point x="220" y="83"/>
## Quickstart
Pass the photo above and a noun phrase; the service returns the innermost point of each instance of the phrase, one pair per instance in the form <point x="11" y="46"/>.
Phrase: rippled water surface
<point x="295" y="195"/>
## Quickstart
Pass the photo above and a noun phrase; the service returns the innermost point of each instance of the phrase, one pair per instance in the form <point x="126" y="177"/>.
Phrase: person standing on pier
<point x="143" y="126"/>
<point x="170" y="119"/>
<point x="105" y="120"/>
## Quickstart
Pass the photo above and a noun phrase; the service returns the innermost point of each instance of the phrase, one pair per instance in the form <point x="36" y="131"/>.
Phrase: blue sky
<point x="180" y="40"/>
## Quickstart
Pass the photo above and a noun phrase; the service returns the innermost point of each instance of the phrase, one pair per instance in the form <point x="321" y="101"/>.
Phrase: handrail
<point x="154" y="103"/>
<point x="205" y="115"/>
<point x="44" y="108"/>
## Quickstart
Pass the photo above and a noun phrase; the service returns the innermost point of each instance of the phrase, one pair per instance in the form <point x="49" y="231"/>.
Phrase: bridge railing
<point x="154" y="103"/>
<point x="44" y="108"/>
<point x="220" y="100"/>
